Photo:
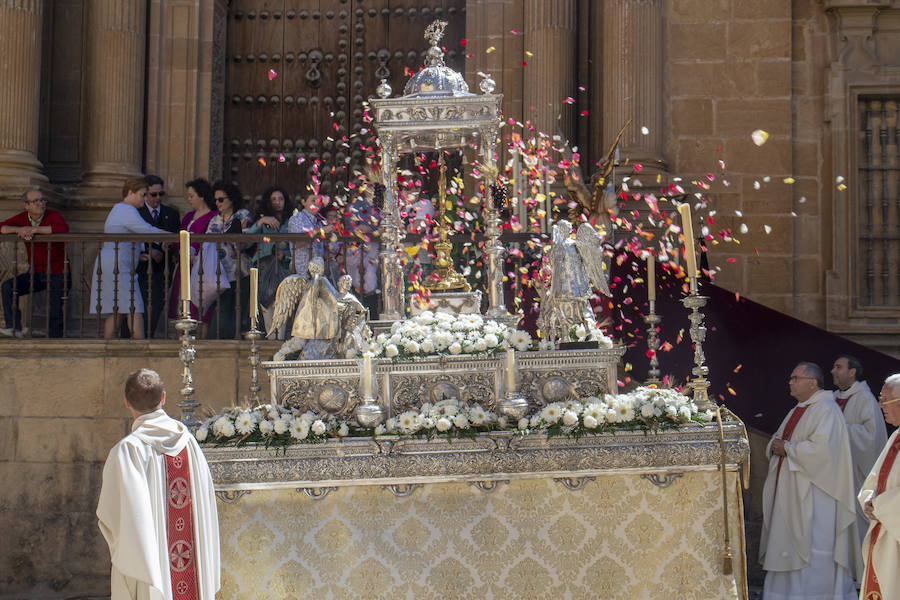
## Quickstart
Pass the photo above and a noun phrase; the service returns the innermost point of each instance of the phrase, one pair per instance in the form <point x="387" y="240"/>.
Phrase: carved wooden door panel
<point x="298" y="74"/>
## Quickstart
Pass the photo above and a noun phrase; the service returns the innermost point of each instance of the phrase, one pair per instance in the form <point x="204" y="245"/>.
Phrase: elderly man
<point x="880" y="499"/>
<point x="47" y="265"/>
<point x="157" y="507"/>
<point x="865" y="425"/>
<point x="809" y="545"/>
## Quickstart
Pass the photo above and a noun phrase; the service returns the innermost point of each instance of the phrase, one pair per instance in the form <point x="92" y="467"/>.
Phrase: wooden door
<point x="298" y="74"/>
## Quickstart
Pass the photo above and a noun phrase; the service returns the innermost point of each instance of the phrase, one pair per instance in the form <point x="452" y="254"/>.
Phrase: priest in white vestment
<point x="809" y="546"/>
<point x="880" y="499"/>
<point x="865" y="424"/>
<point x="157" y="507"/>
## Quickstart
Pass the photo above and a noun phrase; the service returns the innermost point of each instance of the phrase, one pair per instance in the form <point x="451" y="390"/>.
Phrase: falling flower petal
<point x="489" y="50"/>
<point x="759" y="137"/>
<point x="261" y="161"/>
<point x="272" y="74"/>
<point x="789" y="180"/>
<point x="768" y="229"/>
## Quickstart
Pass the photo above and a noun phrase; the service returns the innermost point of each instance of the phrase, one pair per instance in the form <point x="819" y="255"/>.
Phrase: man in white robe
<point x="880" y="499"/>
<point x="865" y="424"/>
<point x="157" y="507"/>
<point x="809" y="546"/>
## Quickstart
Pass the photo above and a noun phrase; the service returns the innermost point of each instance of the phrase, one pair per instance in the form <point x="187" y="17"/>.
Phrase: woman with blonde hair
<point x="115" y="290"/>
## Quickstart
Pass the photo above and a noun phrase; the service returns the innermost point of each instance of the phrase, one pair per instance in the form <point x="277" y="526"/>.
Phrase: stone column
<point x="632" y="76"/>
<point x="20" y="74"/>
<point x="551" y="36"/>
<point x="114" y="93"/>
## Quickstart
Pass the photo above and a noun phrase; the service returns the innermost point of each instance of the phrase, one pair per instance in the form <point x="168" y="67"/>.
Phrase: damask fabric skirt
<point x="823" y="579"/>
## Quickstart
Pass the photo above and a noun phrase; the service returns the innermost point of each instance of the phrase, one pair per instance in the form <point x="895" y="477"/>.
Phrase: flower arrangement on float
<point x="645" y="408"/>
<point x="440" y="334"/>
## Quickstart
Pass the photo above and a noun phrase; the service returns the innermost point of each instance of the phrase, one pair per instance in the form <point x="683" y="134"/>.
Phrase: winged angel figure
<point x="326" y="323"/>
<point x="576" y="265"/>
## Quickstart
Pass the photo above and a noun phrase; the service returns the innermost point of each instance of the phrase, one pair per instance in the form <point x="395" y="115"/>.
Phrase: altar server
<point x="157" y="508"/>
<point x="865" y="424"/>
<point x="880" y="499"/>
<point x="809" y="545"/>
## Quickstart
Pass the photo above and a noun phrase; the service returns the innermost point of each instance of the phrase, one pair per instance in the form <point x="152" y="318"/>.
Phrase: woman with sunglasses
<point x="232" y="218"/>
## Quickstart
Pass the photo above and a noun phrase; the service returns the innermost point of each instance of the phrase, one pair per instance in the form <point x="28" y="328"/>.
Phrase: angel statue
<point x="355" y="333"/>
<point x="576" y="265"/>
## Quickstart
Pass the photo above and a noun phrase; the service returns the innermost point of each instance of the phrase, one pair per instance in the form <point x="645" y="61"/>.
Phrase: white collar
<point x="820" y="395"/>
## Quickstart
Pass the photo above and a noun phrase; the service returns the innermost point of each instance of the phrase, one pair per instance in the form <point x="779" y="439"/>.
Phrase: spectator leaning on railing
<point x="36" y="219"/>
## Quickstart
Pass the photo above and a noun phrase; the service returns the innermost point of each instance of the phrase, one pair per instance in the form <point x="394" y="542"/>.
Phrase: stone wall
<point x="58" y="419"/>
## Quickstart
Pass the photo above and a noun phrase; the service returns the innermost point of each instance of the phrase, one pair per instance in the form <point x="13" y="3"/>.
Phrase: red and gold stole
<point x="870" y="588"/>
<point x="786" y="436"/>
<point x="842" y="402"/>
<point x="180" y="528"/>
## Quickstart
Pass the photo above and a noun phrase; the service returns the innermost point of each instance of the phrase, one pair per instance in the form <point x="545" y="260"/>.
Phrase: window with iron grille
<point x="878" y="202"/>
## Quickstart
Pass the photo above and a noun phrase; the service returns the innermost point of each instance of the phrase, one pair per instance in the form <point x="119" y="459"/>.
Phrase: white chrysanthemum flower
<point x="407" y="421"/>
<point x="272" y="413"/>
<point x="552" y="413"/>
<point x="481" y="345"/>
<point x="569" y="418"/>
<point x="379" y="429"/>
<point x="580" y="331"/>
<point x="595" y="410"/>
<point x="281" y="426"/>
<point x="266" y="427"/>
<point x="455" y="348"/>
<point x="343" y="430"/>
<point x="427" y="346"/>
<point x="461" y="421"/>
<point x="523" y="423"/>
<point x="684" y="413"/>
<point x="647" y="411"/>
<point x="395" y="339"/>
<point x="244" y="423"/>
<point x="545" y="344"/>
<point x="318" y="427"/>
<point x="391" y="424"/>
<point x="411" y="346"/>
<point x="428" y="422"/>
<point x="201" y="434"/>
<point x="520" y="340"/>
<point x="391" y="351"/>
<point x="672" y="412"/>
<point x="443" y="424"/>
<point x="535" y="420"/>
<point x="223" y="427"/>
<point x="299" y="429"/>
<point x="477" y="415"/>
<point x="491" y="340"/>
<point x="590" y="422"/>
<point x="624" y="412"/>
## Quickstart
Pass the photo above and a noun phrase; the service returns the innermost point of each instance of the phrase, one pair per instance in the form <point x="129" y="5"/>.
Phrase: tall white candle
<point x="687" y="227"/>
<point x="510" y="370"/>
<point x="367" y="376"/>
<point x="651" y="278"/>
<point x="254" y="297"/>
<point x="184" y="241"/>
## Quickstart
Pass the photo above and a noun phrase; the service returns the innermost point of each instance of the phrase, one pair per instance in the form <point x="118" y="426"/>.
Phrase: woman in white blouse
<point x="116" y="291"/>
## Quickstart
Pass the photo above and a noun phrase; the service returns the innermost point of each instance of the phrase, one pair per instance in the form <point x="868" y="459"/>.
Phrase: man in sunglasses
<point x="809" y="546"/>
<point x="153" y="287"/>
<point x="47" y="260"/>
<point x="880" y="499"/>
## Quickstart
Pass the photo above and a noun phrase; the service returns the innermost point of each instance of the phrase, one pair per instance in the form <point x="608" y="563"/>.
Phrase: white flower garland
<point x="644" y="408"/>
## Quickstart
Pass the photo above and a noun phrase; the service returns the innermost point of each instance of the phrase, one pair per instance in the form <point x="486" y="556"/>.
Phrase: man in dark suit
<point x="154" y="257"/>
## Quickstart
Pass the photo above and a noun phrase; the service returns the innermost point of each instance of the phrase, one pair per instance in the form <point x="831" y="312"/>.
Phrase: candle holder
<point x="513" y="404"/>
<point x="653" y="320"/>
<point x="254" y="335"/>
<point x="699" y="384"/>
<point x="186" y="325"/>
<point x="369" y="413"/>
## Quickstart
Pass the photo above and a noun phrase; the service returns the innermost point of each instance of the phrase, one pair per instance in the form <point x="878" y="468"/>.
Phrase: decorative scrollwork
<point x="231" y="496"/>
<point x="661" y="479"/>
<point x="573" y="483"/>
<point x="489" y="485"/>
<point x="402" y="490"/>
<point x="317" y="493"/>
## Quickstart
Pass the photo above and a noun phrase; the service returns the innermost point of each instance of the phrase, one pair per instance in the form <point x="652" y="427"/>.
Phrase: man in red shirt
<point x="47" y="261"/>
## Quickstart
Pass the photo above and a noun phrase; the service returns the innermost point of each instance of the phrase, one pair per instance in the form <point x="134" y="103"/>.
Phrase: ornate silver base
<point x="699" y="383"/>
<point x="653" y="320"/>
<point x="254" y="335"/>
<point x="369" y="413"/>
<point x="188" y="354"/>
<point x="514" y="406"/>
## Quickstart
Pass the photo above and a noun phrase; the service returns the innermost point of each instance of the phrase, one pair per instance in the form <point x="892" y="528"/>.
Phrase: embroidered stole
<point x="842" y="402"/>
<point x="180" y="528"/>
<point x="870" y="588"/>
<point x="786" y="436"/>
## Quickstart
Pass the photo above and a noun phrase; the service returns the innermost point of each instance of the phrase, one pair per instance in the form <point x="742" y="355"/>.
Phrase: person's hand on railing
<point x="26" y="233"/>
<point x="270" y="221"/>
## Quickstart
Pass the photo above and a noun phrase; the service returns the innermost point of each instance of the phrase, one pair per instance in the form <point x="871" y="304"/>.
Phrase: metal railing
<point x="76" y="302"/>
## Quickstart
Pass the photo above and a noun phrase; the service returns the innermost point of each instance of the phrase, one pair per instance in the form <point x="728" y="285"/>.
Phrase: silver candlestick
<point x="368" y="413"/>
<point x="513" y="404"/>
<point x="699" y="384"/>
<point x="186" y="325"/>
<point x="254" y="335"/>
<point x="653" y="320"/>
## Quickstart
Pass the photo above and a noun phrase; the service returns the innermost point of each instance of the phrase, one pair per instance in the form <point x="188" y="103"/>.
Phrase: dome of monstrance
<point x="436" y="78"/>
